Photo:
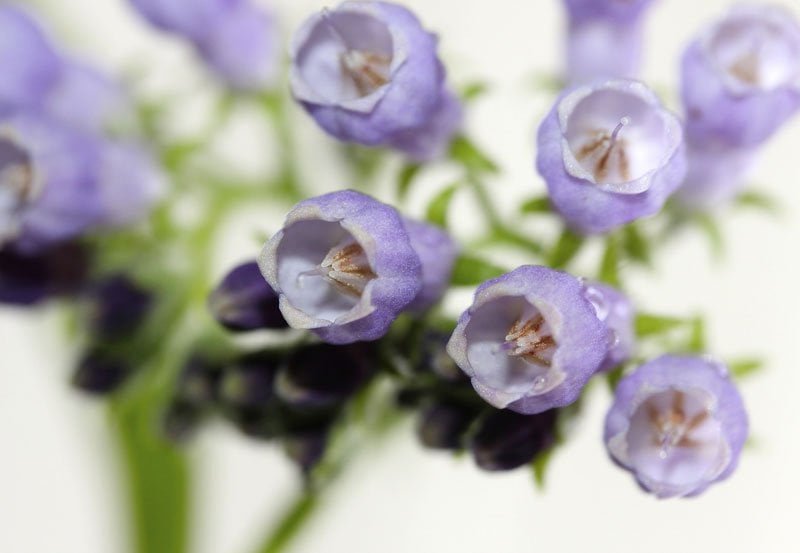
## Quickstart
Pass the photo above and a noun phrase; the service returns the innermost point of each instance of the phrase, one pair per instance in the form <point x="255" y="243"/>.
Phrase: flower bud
<point x="29" y="278"/>
<point x="610" y="153"/>
<point x="118" y="306"/>
<point x="444" y="425"/>
<point x="306" y="449"/>
<point x="506" y="440"/>
<point x="244" y="301"/>
<point x="678" y="424"/>
<point x="530" y="341"/>
<point x="100" y="373"/>
<point x="248" y="382"/>
<point x="342" y="266"/>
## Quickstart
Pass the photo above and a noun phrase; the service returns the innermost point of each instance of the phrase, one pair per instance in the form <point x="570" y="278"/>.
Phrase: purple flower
<point x="505" y="440"/>
<point x="610" y="153"/>
<point x="616" y="311"/>
<point x="244" y="301"/>
<point x="368" y="72"/>
<point x="530" y="341"/>
<point x="342" y="266"/>
<point x="741" y="77"/>
<point x="604" y="39"/>
<point x="716" y="173"/>
<point x="30" y="65"/>
<point x="437" y="254"/>
<point x="117" y="308"/>
<point x="678" y="424"/>
<point x="236" y="38"/>
<point x="29" y="278"/>
<point x="48" y="186"/>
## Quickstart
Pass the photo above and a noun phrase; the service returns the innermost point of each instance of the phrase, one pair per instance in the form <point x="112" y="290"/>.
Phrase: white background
<point x="57" y="491"/>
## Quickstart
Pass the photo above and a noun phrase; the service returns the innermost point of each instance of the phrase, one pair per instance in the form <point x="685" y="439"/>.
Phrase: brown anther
<point x="746" y="68"/>
<point x="527" y="343"/>
<point x="367" y="70"/>
<point x="674" y="424"/>
<point x="348" y="269"/>
<point x="611" y="153"/>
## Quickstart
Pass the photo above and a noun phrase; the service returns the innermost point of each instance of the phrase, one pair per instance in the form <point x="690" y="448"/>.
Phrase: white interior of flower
<point x="755" y="53"/>
<point x="512" y="347"/>
<point x="322" y="269"/>
<point x="17" y="184"/>
<point x="674" y="442"/>
<point x="614" y="137"/>
<point x="347" y="56"/>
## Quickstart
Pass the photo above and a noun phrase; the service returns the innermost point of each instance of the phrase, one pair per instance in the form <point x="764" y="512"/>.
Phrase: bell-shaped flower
<point x="610" y="153"/>
<point x="367" y="72"/>
<point x="615" y="310"/>
<point x="343" y="266"/>
<point x="530" y="341"/>
<point x="604" y="39"/>
<point x="678" y="424"/>
<point x="437" y="254"/>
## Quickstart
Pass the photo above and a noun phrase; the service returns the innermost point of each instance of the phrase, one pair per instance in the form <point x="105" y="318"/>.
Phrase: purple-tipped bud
<point x="118" y="306"/>
<point x="368" y="72"/>
<point x="322" y="375"/>
<point x="506" y="440"/>
<point x="604" y="39"/>
<point x="99" y="373"/>
<point x="616" y="311"/>
<point x="237" y="39"/>
<point x="678" y="424"/>
<point x="30" y="65"/>
<point x="530" y="341"/>
<point x="342" y="266"/>
<point x="444" y="425"/>
<point x="610" y="153"/>
<point x="437" y="252"/>
<point x="244" y="301"/>
<point x="48" y="186"/>
<point x="741" y="77"/>
<point x="29" y="278"/>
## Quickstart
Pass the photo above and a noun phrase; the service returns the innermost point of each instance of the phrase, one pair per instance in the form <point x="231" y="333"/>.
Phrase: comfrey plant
<point x="347" y="315"/>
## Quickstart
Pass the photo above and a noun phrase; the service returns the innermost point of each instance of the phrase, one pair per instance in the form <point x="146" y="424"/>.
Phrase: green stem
<point x="291" y="522"/>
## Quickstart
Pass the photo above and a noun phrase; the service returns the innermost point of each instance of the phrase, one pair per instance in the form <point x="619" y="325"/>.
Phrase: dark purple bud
<point x="118" y="306"/>
<point x="28" y="278"/>
<point x="444" y="425"/>
<point x="99" y="373"/>
<point x="324" y="375"/>
<point x="245" y="301"/>
<point x="306" y="449"/>
<point x="198" y="382"/>
<point x="248" y="382"/>
<point x="506" y="440"/>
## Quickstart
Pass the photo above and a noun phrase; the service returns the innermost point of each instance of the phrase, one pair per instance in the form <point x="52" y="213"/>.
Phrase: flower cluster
<point x="60" y="173"/>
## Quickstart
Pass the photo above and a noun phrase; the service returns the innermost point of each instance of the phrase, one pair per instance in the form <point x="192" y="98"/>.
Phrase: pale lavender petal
<point x="437" y="252"/>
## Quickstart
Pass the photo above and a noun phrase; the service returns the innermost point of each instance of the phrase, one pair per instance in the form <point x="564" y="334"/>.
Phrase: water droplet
<point x="539" y="383"/>
<point x="613" y="339"/>
<point x="718" y="364"/>
<point x="662" y="453"/>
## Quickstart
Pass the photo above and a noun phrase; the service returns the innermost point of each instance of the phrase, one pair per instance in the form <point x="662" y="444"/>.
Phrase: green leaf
<point x="650" y="325"/>
<point x="437" y="209"/>
<point x="614" y="376"/>
<point x="741" y="368"/>
<point x="467" y="154"/>
<point x="565" y="249"/>
<point x="758" y="201"/>
<point x="473" y="91"/>
<point x="635" y="245"/>
<point x="539" y="466"/>
<point x="609" y="264"/>
<point x="470" y="271"/>
<point x="405" y="178"/>
<point x="712" y="231"/>
<point x="540" y="204"/>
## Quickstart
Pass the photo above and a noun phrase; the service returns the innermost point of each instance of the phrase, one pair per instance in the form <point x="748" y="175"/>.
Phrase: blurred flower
<point x="237" y="39"/>
<point x="740" y="84"/>
<point x="118" y="306"/>
<point x="244" y="301"/>
<point x="368" y="72"/>
<point x="678" y="423"/>
<point x="610" y="153"/>
<point x="307" y="448"/>
<point x="324" y="375"/>
<point x="437" y="253"/>
<point x="506" y="440"/>
<point x="434" y="357"/>
<point x="530" y="341"/>
<point x="604" y="39"/>
<point x="100" y="373"/>
<point x="195" y="394"/>
<point x="48" y="187"/>
<point x="31" y="68"/>
<point x="616" y="311"/>
<point x="342" y="266"/>
<point x="28" y="278"/>
<point x="249" y="381"/>
<point x="444" y="425"/>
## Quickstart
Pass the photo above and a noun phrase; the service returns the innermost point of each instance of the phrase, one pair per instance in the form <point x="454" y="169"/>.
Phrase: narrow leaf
<point x="741" y="368"/>
<point x="697" y="336"/>
<point x="464" y="152"/>
<point x="759" y="201"/>
<point x="609" y="265"/>
<point x="470" y="271"/>
<point x="649" y="325"/>
<point x="614" y="376"/>
<point x="540" y="204"/>
<point x="437" y="209"/>
<point x="565" y="249"/>
<point x="712" y="231"/>
<point x="635" y="245"/>
<point x="405" y="178"/>
<point x="539" y="466"/>
<point x="473" y="91"/>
